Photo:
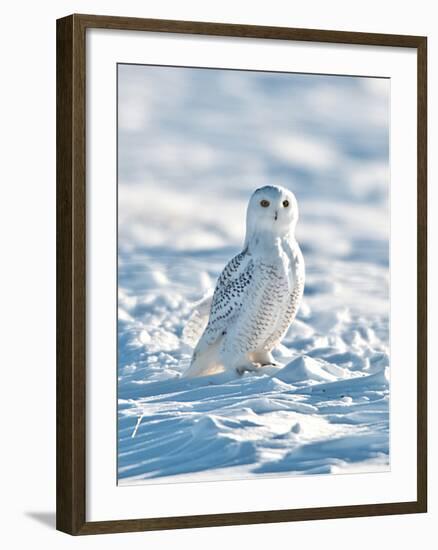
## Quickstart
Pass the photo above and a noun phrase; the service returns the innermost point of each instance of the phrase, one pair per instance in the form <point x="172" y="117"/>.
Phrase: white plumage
<point x="257" y="294"/>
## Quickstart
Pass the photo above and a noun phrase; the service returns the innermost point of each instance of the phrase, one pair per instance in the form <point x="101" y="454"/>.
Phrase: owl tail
<point x="205" y="361"/>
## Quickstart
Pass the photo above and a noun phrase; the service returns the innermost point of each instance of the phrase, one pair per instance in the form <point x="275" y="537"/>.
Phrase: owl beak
<point x="276" y="215"/>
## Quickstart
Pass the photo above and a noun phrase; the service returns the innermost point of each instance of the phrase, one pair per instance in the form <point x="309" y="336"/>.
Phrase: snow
<point x="193" y="145"/>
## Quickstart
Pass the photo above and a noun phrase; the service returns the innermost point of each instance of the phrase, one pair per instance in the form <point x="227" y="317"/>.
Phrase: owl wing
<point x="228" y="297"/>
<point x="197" y="322"/>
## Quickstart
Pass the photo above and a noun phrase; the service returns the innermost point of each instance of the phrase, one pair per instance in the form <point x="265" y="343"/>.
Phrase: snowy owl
<point x="258" y="293"/>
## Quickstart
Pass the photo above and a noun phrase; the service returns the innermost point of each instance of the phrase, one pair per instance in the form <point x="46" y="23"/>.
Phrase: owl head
<point x="272" y="211"/>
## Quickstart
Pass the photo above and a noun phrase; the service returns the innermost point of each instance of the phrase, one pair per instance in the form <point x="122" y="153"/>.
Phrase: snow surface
<point x="193" y="145"/>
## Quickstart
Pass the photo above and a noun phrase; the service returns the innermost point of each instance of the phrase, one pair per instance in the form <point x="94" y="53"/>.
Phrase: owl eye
<point x="264" y="203"/>
<point x="285" y="204"/>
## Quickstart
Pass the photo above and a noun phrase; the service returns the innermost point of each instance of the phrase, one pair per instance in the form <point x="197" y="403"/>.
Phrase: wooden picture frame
<point x="71" y="273"/>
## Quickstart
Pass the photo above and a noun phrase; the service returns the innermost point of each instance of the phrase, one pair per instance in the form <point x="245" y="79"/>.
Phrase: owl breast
<point x="269" y="311"/>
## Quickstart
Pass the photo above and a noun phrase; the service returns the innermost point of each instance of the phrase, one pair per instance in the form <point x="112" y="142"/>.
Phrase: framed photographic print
<point x="241" y="274"/>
